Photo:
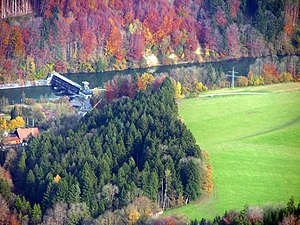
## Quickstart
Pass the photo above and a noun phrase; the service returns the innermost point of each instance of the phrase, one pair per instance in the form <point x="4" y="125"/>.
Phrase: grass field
<point x="254" y="145"/>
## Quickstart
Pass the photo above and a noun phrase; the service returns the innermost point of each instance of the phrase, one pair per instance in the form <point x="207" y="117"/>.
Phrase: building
<point x="12" y="140"/>
<point x="25" y="133"/>
<point x="21" y="136"/>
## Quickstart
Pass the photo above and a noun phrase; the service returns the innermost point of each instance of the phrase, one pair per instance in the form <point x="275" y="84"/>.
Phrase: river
<point x="98" y="79"/>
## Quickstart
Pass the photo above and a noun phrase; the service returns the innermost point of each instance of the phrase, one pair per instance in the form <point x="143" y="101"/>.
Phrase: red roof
<point x="11" y="140"/>
<point x="24" y="133"/>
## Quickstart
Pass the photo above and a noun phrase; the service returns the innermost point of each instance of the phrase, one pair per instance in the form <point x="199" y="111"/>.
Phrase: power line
<point x="232" y="76"/>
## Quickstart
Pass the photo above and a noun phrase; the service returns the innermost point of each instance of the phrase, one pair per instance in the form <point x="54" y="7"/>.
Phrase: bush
<point x="270" y="74"/>
<point x="242" y="81"/>
<point x="224" y="84"/>
<point x="286" y="77"/>
<point x="200" y="87"/>
<point x="258" y="80"/>
<point x="250" y="77"/>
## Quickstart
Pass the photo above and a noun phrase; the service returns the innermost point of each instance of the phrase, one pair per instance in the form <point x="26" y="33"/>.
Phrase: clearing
<point x="254" y="145"/>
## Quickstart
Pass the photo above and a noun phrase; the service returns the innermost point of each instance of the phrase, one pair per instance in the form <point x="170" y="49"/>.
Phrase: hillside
<point x="253" y="144"/>
<point x="133" y="150"/>
<point x="98" y="35"/>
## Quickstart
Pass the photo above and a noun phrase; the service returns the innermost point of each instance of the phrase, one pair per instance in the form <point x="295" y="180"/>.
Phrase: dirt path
<point x="233" y="93"/>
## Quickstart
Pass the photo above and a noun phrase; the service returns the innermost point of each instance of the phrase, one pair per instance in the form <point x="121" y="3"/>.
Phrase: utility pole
<point x="232" y="76"/>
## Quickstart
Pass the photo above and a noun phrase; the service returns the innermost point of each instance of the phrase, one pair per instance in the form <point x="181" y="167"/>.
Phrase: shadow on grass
<point x="280" y="127"/>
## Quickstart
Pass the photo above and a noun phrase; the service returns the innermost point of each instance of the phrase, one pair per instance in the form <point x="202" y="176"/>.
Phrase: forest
<point x="98" y="35"/>
<point x="134" y="150"/>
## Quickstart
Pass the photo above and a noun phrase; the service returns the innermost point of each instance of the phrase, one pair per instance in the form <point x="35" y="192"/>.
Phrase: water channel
<point x="243" y="65"/>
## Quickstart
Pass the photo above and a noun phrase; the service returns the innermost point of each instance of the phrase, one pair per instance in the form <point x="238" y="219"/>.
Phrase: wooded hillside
<point x="97" y="35"/>
<point x="134" y="147"/>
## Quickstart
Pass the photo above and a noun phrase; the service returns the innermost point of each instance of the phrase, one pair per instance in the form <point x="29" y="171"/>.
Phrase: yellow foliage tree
<point x="56" y="179"/>
<point x="16" y="123"/>
<point x="145" y="80"/>
<point x="133" y="215"/>
<point x="178" y="90"/>
<point x="286" y="77"/>
<point x="200" y="87"/>
<point x="3" y="124"/>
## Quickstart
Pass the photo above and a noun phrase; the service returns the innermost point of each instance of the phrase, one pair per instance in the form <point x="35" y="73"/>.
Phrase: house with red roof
<point x="25" y="133"/>
<point x="21" y="135"/>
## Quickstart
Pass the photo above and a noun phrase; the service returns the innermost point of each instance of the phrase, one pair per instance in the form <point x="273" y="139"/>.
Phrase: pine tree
<point x="30" y="186"/>
<point x="62" y="191"/>
<point x="73" y="195"/>
<point x="36" y="214"/>
<point x="14" y="112"/>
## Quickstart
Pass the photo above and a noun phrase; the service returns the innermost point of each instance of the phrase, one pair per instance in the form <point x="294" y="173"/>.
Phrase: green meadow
<point x="254" y="146"/>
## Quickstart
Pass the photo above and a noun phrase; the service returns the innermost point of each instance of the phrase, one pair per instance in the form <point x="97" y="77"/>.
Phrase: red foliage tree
<point x="152" y="20"/>
<point x="207" y="37"/>
<point x="109" y="93"/>
<point x="136" y="47"/>
<point x="270" y="73"/>
<point x="234" y="7"/>
<point x="114" y="43"/>
<point x="158" y="81"/>
<point x="176" y="37"/>
<point x="126" y="87"/>
<point x="48" y="6"/>
<point x="291" y="17"/>
<point x="60" y="66"/>
<point x="233" y="40"/>
<point x="220" y="17"/>
<point x="89" y="41"/>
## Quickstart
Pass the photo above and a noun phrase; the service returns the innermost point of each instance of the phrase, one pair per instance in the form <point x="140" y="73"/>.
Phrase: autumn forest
<point x="100" y="35"/>
<point x="133" y="151"/>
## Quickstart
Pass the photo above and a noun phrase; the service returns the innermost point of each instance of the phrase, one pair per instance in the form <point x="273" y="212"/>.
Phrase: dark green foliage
<point x="129" y="144"/>
<point x="15" y="111"/>
<point x="191" y="179"/>
<point x="36" y="214"/>
<point x="5" y="190"/>
<point x="22" y="205"/>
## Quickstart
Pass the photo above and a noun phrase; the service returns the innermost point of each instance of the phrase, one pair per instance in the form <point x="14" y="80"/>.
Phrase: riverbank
<point x="35" y="83"/>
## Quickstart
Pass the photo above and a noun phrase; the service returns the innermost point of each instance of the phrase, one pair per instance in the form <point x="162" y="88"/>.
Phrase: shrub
<point x="200" y="87"/>
<point x="242" y="81"/>
<point x="270" y="74"/>
<point x="224" y="84"/>
<point x="255" y="214"/>
<point x="286" y="77"/>
<point x="258" y="80"/>
<point x="215" y="87"/>
<point x="250" y="77"/>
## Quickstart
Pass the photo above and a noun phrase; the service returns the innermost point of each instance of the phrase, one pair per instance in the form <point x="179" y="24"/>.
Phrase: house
<point x="25" y="133"/>
<point x="21" y="136"/>
<point x="12" y="140"/>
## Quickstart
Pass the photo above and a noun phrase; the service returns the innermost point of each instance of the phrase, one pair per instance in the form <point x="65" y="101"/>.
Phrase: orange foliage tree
<point x="114" y="43"/>
<point x="270" y="74"/>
